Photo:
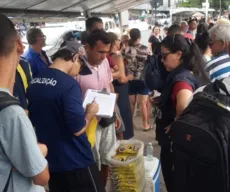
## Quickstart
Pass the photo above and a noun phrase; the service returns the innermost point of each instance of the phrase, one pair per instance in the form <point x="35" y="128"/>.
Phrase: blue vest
<point x="167" y="111"/>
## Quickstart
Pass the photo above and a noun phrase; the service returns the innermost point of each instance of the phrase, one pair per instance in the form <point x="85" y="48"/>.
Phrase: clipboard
<point x="105" y="100"/>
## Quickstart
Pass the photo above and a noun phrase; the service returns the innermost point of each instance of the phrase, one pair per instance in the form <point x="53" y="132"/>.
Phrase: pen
<point x="94" y="99"/>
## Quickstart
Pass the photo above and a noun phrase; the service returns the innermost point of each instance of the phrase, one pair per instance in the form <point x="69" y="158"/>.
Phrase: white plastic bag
<point x="127" y="175"/>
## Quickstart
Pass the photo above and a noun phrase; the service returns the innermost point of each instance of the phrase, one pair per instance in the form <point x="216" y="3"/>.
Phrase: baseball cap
<point x="76" y="48"/>
<point x="72" y="46"/>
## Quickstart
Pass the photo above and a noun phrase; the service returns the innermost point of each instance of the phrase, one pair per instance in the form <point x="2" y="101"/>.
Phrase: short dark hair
<point x="8" y="35"/>
<point x="32" y="35"/>
<point x="98" y="35"/>
<point x="174" y="29"/>
<point x="134" y="34"/>
<point x="62" y="54"/>
<point x="90" y="21"/>
<point x="192" y="20"/>
<point x="166" y="28"/>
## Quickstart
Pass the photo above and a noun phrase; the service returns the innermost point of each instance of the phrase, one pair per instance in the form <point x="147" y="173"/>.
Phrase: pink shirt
<point x="100" y="78"/>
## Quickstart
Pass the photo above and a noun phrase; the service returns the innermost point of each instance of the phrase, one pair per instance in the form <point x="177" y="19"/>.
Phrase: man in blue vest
<point x="22" y="80"/>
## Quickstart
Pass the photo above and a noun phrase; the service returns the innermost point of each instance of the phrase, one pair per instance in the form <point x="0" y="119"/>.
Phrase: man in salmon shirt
<point x="97" y="47"/>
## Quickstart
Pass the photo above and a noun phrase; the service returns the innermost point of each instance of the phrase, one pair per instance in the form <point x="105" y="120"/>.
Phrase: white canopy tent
<point x="65" y="8"/>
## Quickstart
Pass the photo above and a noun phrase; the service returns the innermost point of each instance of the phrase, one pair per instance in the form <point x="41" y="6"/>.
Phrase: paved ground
<point x="148" y="137"/>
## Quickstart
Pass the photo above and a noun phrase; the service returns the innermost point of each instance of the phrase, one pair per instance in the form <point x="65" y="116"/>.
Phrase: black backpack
<point x="7" y="100"/>
<point x="154" y="73"/>
<point x="200" y="142"/>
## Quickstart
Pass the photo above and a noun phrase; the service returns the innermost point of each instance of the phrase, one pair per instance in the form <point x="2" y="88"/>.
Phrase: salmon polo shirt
<point x="100" y="78"/>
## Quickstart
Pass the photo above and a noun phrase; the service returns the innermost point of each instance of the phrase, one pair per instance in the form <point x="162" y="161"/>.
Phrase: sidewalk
<point x="148" y="137"/>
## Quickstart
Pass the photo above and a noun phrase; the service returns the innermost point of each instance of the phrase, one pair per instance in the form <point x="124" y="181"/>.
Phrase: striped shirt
<point x="219" y="67"/>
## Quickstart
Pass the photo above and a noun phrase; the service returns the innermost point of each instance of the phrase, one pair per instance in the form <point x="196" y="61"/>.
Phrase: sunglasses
<point x="165" y="55"/>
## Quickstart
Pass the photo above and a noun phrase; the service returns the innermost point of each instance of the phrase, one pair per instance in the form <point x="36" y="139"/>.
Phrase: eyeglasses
<point x="165" y="55"/>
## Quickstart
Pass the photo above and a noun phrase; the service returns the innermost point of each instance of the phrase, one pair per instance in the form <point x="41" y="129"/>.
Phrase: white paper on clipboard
<point x="106" y="102"/>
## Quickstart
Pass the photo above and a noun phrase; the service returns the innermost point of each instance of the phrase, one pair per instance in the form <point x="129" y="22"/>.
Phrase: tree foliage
<point x="215" y="4"/>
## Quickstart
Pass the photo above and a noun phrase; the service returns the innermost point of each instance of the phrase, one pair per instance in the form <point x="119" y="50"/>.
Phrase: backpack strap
<point x="8" y="182"/>
<point x="23" y="76"/>
<point x="6" y="100"/>
<point x="217" y="87"/>
<point x="221" y="87"/>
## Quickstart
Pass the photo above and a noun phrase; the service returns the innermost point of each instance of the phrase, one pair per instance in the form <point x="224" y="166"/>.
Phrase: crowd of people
<point x="44" y="142"/>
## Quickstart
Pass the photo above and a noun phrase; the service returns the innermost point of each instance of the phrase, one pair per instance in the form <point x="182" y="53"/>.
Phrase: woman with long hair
<point x="203" y="40"/>
<point x="120" y="83"/>
<point x="182" y="59"/>
<point x="135" y="57"/>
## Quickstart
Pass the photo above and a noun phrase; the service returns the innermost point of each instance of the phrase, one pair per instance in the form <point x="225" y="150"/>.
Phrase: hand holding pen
<point x="92" y="108"/>
<point x="94" y="100"/>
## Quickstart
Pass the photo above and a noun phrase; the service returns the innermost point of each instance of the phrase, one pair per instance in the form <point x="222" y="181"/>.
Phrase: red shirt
<point x="177" y="87"/>
<point x="189" y="36"/>
<point x="111" y="63"/>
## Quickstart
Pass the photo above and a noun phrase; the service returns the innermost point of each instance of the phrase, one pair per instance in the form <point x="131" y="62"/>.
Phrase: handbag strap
<point x="8" y="182"/>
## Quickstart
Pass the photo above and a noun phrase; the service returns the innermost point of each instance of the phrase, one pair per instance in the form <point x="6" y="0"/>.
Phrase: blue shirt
<point x="55" y="108"/>
<point x="35" y="60"/>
